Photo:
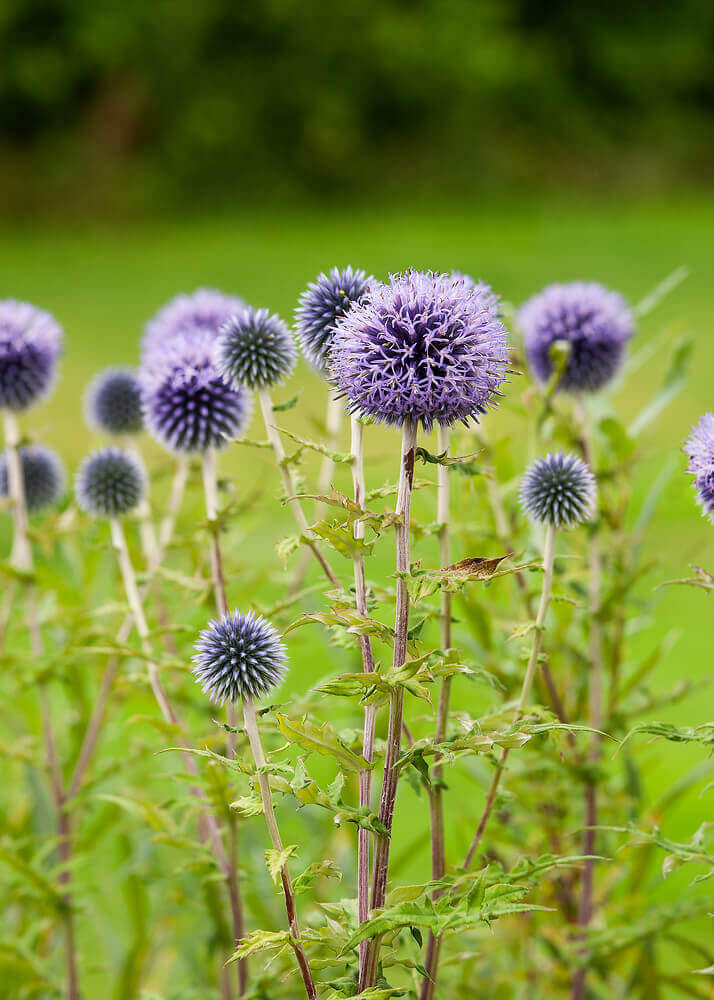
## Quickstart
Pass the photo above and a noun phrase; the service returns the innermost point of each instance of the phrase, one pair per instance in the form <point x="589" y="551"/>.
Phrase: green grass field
<point x="103" y="283"/>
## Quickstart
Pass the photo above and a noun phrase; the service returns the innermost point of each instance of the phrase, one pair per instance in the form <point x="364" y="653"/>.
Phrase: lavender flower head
<point x="239" y="656"/>
<point x="205" y="309"/>
<point x="463" y="278"/>
<point x="321" y="305"/>
<point x="112" y="402"/>
<point x="421" y="347"/>
<point x="255" y="349"/>
<point x="42" y="475"/>
<point x="699" y="449"/>
<point x="559" y="490"/>
<point x="110" y="483"/>
<point x="188" y="407"/>
<point x="30" y="344"/>
<point x="596" y="322"/>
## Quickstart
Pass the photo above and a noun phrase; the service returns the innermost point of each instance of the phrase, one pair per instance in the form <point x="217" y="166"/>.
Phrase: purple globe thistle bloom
<point x="188" y="407"/>
<point x="596" y="322"/>
<point x="112" y="402"/>
<point x="239" y="656"/>
<point x="699" y="449"/>
<point x="321" y="305"/>
<point x="30" y="344"/>
<point x="559" y="490"/>
<point x="421" y="347"/>
<point x="110" y="483"/>
<point x="205" y="309"/>
<point x="255" y="349"/>
<point x="42" y="475"/>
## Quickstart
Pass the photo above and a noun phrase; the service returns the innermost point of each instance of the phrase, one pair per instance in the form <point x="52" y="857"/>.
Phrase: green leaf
<point x="323" y="740"/>
<point x="315" y="871"/>
<point x="674" y="382"/>
<point x="259" y="941"/>
<point x="248" y="805"/>
<point x="288" y="404"/>
<point x="277" y="860"/>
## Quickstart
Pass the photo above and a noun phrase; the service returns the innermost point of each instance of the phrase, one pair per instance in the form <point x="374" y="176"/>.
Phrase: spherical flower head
<point x="699" y="449"/>
<point x="239" y="656"/>
<point x="422" y="347"/>
<point x="30" y="344"/>
<point x="113" y="402"/>
<point x="325" y="301"/>
<point x="559" y="490"/>
<point x="42" y="475"/>
<point x="205" y="309"/>
<point x="464" y="278"/>
<point x="597" y="324"/>
<point x="187" y="406"/>
<point x="110" y="483"/>
<point x="255" y="349"/>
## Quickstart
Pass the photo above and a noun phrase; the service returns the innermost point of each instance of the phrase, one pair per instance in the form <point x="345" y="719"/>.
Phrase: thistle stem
<point x="210" y="489"/>
<point x="396" y="705"/>
<point x="21" y="558"/>
<point x="436" y="796"/>
<point x="137" y="610"/>
<point x="370" y="712"/>
<point x="548" y="559"/>
<point x="266" y="406"/>
<point x="91" y="735"/>
<point x="586" y="907"/>
<point x="251" y="727"/>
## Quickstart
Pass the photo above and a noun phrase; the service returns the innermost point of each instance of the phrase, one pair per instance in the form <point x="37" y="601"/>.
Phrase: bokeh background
<point x="147" y="149"/>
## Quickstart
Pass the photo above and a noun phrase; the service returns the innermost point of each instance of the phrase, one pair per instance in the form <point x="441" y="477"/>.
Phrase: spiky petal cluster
<point x="113" y="402"/>
<point x="239" y="656"/>
<point x="559" y="490"/>
<point x="205" y="309"/>
<point x="325" y="301"/>
<point x="423" y="347"/>
<point x="42" y="475"/>
<point x="188" y="407"/>
<point x="596" y="322"/>
<point x="109" y="483"/>
<point x="464" y="278"/>
<point x="30" y="344"/>
<point x="699" y="449"/>
<point x="255" y="349"/>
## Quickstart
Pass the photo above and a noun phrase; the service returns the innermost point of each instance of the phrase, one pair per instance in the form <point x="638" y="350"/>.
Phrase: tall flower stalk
<point x="422" y="349"/>
<point x="558" y="491"/>
<point x="436" y="796"/>
<point x="256" y="350"/>
<point x="110" y="484"/>
<point x="595" y="680"/>
<point x="239" y="658"/>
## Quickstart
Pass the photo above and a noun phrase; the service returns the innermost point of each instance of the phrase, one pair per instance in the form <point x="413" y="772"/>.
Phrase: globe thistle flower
<point x="42" y="475"/>
<point x="205" y="310"/>
<point x="239" y="656"/>
<point x="422" y="347"/>
<point x="112" y="402"/>
<point x="463" y="278"/>
<point x="255" y="349"/>
<point x="30" y="344"/>
<point x="699" y="449"/>
<point x="322" y="305"/>
<point x="596" y="322"/>
<point x="187" y="406"/>
<point x="110" y="483"/>
<point x="559" y="490"/>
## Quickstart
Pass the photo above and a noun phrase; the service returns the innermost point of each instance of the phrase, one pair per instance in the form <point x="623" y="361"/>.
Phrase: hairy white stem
<point x="178" y="488"/>
<point x="436" y="797"/>
<point x="536" y="644"/>
<point x="251" y="728"/>
<point x="396" y="705"/>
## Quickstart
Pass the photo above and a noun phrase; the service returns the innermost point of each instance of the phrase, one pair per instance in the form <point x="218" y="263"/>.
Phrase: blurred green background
<point x="147" y="149"/>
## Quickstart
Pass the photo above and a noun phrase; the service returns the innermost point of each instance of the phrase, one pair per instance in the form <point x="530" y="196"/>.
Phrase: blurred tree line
<point x="108" y="104"/>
